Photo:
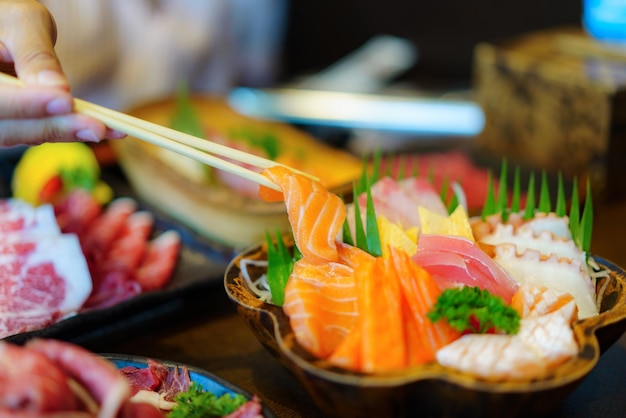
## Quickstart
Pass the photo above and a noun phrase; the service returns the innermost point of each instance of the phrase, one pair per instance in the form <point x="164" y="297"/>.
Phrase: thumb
<point x="33" y="53"/>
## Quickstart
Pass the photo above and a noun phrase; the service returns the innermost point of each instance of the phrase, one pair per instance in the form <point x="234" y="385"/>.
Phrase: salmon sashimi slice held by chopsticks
<point x="320" y="295"/>
<point x="358" y="311"/>
<point x="315" y="214"/>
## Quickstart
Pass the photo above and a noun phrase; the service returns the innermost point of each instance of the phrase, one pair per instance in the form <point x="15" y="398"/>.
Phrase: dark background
<point x="445" y="32"/>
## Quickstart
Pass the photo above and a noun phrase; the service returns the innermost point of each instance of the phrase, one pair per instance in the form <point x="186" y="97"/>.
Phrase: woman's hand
<point x="42" y="110"/>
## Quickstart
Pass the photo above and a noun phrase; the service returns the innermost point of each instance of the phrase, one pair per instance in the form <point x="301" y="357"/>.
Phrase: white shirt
<point x="119" y="53"/>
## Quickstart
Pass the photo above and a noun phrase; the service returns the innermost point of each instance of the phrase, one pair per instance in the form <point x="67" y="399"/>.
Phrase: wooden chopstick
<point x="136" y="131"/>
<point x="176" y="141"/>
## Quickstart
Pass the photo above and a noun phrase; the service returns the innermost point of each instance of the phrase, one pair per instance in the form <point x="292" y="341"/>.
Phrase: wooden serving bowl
<point x="430" y="390"/>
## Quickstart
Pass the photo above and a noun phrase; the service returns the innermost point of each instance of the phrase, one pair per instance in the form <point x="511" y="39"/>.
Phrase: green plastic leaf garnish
<point x="454" y="202"/>
<point x="185" y="119"/>
<point x="515" y="199"/>
<point x="529" y="211"/>
<point x="545" y="205"/>
<point x="261" y="139"/>
<point x="347" y="233"/>
<point x="574" y="215"/>
<point x="489" y="207"/>
<point x="559" y="209"/>
<point x="580" y="226"/>
<point x="280" y="263"/>
<point x="443" y="192"/>
<point x="586" y="221"/>
<point x="373" y="236"/>
<point x="502" y="203"/>
<point x="366" y="238"/>
<point x="366" y="178"/>
<point x="361" y="240"/>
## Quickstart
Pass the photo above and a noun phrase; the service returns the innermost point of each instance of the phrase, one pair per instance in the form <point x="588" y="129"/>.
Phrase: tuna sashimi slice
<point x="159" y="262"/>
<point x="456" y="260"/>
<point x="77" y="211"/>
<point x="101" y="233"/>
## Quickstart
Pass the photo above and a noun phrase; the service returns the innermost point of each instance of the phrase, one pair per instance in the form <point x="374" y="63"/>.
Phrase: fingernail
<point x="113" y="134"/>
<point x="87" y="135"/>
<point x="51" y="78"/>
<point x="59" y="106"/>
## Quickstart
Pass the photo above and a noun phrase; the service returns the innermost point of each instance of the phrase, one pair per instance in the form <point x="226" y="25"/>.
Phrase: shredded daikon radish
<point x="260" y="287"/>
<point x="596" y="273"/>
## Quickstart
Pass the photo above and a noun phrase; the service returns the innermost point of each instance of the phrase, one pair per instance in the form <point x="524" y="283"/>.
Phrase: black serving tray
<point x="200" y="269"/>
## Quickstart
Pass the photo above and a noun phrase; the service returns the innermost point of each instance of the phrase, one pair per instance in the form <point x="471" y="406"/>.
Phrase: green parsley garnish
<point x="198" y="403"/>
<point x="475" y="310"/>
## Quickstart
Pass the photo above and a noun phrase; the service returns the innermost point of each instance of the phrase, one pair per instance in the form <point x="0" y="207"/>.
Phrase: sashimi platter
<point x="395" y="302"/>
<point x="72" y="250"/>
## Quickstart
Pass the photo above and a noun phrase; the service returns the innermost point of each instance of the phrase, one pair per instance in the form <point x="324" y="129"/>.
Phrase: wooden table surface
<point x="209" y="334"/>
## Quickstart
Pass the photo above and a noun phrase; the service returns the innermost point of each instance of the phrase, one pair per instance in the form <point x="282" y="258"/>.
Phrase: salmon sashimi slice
<point x="379" y="303"/>
<point x="352" y="256"/>
<point x="542" y="343"/>
<point x="420" y="292"/>
<point x="392" y="330"/>
<point x="315" y="214"/>
<point x="375" y="344"/>
<point x="320" y="301"/>
<point x="348" y="352"/>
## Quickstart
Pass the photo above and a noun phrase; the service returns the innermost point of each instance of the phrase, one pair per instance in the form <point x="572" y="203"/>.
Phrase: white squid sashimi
<point x="535" y="300"/>
<point x="566" y="276"/>
<point x="543" y="342"/>
<point x="525" y="237"/>
<point x="550" y="222"/>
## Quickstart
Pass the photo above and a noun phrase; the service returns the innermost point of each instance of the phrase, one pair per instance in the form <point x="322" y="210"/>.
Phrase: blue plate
<point x="209" y="381"/>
